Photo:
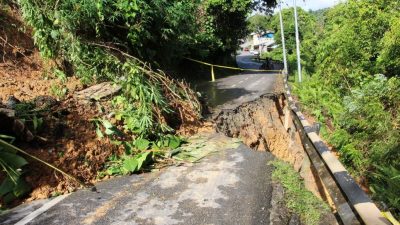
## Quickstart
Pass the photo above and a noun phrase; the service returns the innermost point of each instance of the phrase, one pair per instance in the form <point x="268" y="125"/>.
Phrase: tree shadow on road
<point x="217" y="96"/>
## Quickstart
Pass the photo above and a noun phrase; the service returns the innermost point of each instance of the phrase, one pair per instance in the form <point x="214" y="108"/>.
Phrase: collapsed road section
<point x="260" y="124"/>
<point x="271" y="124"/>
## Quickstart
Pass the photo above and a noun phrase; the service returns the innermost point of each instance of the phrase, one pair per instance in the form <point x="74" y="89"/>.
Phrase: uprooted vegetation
<point x="83" y="43"/>
<point x="89" y="138"/>
<point x="149" y="98"/>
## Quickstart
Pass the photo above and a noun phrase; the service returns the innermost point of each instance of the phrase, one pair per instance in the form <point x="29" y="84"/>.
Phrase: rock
<point x="294" y="220"/>
<point x="98" y="91"/>
<point x="7" y="112"/>
<point x="21" y="131"/>
<point x="12" y="102"/>
<point x="14" y="127"/>
<point x="44" y="101"/>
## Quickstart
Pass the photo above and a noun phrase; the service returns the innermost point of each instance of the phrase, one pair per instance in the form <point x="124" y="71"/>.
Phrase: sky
<point x="311" y="4"/>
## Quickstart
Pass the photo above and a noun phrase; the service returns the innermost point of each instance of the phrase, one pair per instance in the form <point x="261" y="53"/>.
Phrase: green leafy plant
<point x="297" y="198"/>
<point x="386" y="186"/>
<point x="127" y="164"/>
<point x="58" y="90"/>
<point x="109" y="129"/>
<point x="30" y="115"/>
<point x="358" y="107"/>
<point x="60" y="75"/>
<point x="13" y="186"/>
<point x="136" y="155"/>
<point x="142" y="144"/>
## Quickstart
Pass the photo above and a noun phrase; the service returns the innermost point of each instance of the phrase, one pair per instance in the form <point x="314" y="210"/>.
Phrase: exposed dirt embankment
<point x="260" y="125"/>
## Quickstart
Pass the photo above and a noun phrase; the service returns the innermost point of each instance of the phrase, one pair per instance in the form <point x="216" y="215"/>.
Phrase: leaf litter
<point x="202" y="145"/>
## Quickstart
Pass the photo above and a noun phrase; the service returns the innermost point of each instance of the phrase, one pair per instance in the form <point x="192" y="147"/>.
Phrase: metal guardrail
<point x="353" y="205"/>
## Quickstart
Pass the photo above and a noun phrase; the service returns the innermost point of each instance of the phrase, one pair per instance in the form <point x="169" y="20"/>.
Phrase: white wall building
<point x="262" y="42"/>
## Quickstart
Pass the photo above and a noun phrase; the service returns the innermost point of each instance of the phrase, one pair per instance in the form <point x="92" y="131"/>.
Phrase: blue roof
<point x="268" y="35"/>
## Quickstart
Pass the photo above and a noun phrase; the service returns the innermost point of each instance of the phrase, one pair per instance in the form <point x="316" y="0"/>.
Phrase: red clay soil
<point x="67" y="138"/>
<point x="72" y="146"/>
<point x="23" y="73"/>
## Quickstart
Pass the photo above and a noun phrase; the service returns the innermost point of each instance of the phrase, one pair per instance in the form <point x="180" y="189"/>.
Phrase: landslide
<point x="66" y="136"/>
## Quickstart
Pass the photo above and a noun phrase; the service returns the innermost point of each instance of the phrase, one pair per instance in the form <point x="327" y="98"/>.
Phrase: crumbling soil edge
<point x="261" y="126"/>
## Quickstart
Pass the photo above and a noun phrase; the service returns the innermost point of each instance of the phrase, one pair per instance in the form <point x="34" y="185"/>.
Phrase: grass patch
<point x="297" y="198"/>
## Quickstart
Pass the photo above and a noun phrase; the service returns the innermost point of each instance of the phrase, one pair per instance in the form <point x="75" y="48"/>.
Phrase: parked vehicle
<point x="255" y="52"/>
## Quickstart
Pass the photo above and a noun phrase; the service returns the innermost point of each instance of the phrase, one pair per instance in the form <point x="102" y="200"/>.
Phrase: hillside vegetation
<point x="125" y="42"/>
<point x="351" y="60"/>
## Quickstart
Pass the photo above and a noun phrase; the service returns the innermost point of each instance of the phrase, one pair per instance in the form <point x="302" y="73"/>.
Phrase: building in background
<point x="259" y="43"/>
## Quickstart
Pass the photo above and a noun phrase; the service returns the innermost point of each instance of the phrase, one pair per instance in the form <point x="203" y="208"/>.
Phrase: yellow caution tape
<point x="391" y="218"/>
<point x="208" y="64"/>
<point x="228" y="67"/>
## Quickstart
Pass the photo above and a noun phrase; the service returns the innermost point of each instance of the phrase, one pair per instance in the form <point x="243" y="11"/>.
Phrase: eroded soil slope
<point x="66" y="137"/>
<point x="260" y="125"/>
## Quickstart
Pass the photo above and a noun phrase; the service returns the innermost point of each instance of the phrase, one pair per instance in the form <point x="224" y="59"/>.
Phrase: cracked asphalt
<point x="230" y="186"/>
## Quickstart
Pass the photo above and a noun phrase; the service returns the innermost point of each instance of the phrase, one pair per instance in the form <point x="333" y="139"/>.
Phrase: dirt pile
<point x="22" y="71"/>
<point x="62" y="133"/>
<point x="65" y="137"/>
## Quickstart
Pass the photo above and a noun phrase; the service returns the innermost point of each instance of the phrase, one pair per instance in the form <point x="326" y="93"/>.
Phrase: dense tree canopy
<point x="306" y="27"/>
<point x="352" y="55"/>
<point x="151" y="30"/>
<point x="354" y="31"/>
<point x="307" y="34"/>
<point x="259" y="23"/>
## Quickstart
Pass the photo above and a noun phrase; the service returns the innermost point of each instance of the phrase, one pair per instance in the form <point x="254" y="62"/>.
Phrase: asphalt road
<point x="232" y="186"/>
<point x="222" y="189"/>
<point x="231" y="91"/>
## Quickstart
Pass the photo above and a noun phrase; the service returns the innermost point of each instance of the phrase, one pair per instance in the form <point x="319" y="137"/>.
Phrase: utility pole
<point x="297" y="40"/>
<point x="283" y="39"/>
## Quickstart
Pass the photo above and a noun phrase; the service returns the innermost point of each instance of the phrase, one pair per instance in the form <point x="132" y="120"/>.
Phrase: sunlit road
<point x="230" y="186"/>
<point x="231" y="91"/>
